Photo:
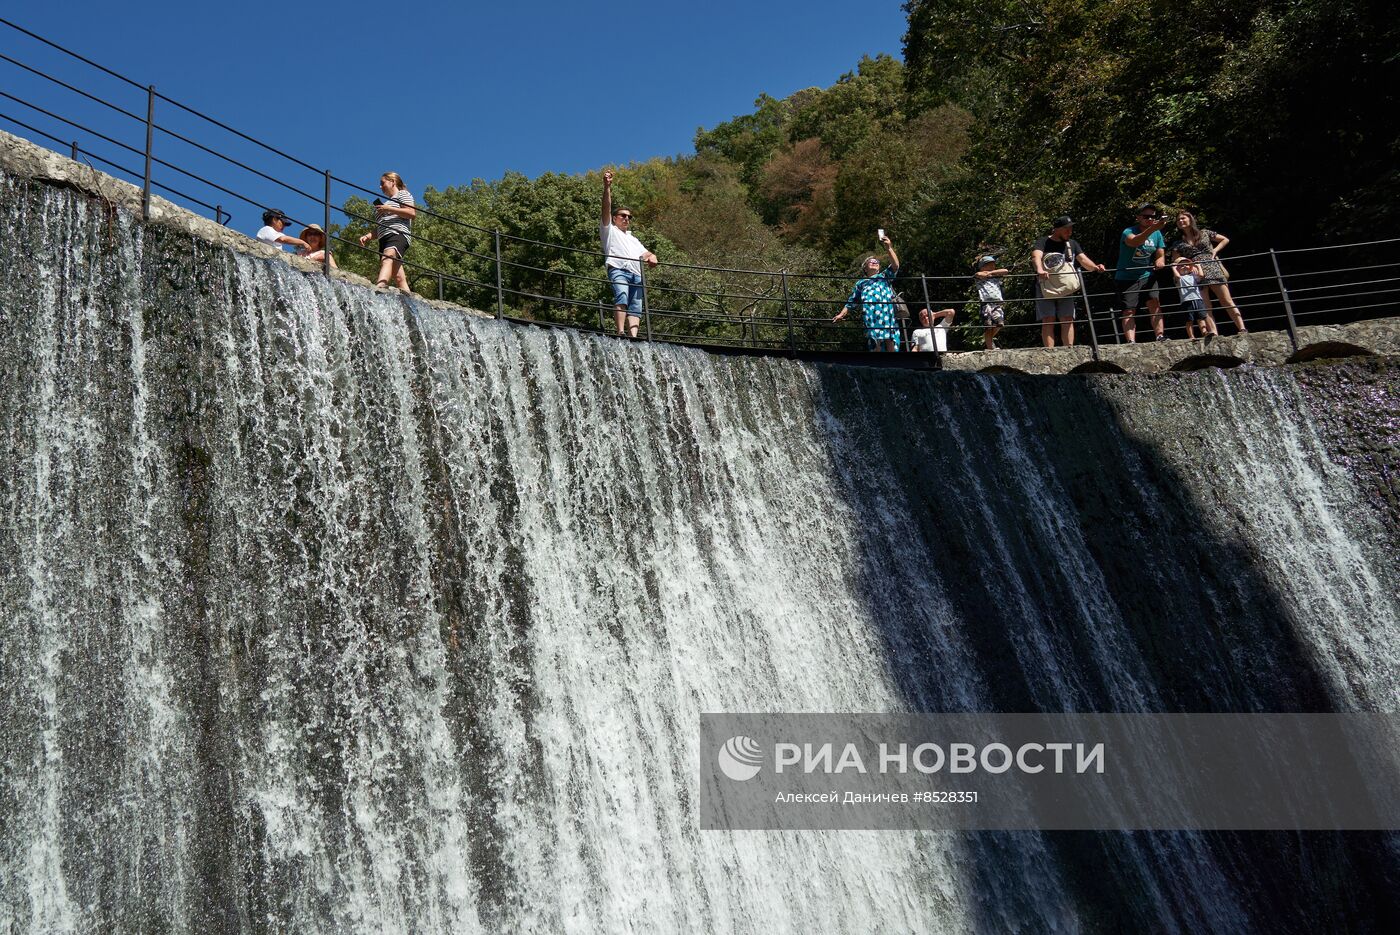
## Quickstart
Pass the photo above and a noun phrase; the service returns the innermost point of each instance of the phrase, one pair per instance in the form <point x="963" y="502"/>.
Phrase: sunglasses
<point x="625" y="217"/>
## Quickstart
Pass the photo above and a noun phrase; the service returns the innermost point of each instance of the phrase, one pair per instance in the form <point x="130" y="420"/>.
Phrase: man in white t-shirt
<point x="271" y="231"/>
<point x="932" y="337"/>
<point x="622" y="251"/>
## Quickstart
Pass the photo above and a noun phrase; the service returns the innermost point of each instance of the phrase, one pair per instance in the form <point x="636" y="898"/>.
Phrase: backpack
<point x="1064" y="278"/>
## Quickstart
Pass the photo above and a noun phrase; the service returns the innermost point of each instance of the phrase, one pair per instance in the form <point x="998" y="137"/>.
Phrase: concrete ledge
<point x="1260" y="348"/>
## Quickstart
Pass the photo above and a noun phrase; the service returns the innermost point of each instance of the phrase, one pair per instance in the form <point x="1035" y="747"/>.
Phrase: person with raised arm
<point x="1141" y="260"/>
<point x="1057" y="284"/>
<point x="988" y="280"/>
<point x="622" y="252"/>
<point x="393" y="219"/>
<point x="925" y="337"/>
<point x="874" y="295"/>
<point x="1188" y="284"/>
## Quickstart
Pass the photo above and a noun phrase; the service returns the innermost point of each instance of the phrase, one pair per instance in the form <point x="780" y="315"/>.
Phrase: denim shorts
<point x="1195" y="309"/>
<point x="627" y="289"/>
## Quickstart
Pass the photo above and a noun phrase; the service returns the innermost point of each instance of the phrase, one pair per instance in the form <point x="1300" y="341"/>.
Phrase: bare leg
<point x="401" y="277"/>
<point x="987" y="335"/>
<point x="1047" y="332"/>
<point x="1129" y="326"/>
<point x="386" y="269"/>
<point x="1208" y="326"/>
<point x="1205" y="297"/>
<point x="1067" y="332"/>
<point x="1222" y="291"/>
<point x="621" y="317"/>
<point x="1154" y="315"/>
<point x="632" y="322"/>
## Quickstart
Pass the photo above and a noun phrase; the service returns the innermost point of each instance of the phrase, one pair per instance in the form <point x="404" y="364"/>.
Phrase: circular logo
<point x="740" y="758"/>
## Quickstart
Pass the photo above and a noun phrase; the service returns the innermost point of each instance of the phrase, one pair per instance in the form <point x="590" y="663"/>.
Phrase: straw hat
<point x="312" y="229"/>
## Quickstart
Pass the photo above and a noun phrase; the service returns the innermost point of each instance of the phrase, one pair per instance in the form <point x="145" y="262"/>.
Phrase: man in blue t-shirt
<point x="1142" y="253"/>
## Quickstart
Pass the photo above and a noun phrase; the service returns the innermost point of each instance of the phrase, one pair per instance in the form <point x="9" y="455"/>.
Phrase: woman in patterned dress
<point x="874" y="294"/>
<point x="1203" y="247"/>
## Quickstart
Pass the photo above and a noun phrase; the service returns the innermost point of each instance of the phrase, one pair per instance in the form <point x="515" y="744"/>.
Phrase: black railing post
<point x="923" y="283"/>
<point x="1089" y="314"/>
<point x="602" y="304"/>
<point x="787" y="307"/>
<point x="218" y="214"/>
<point x="326" y="237"/>
<point x="500" y="290"/>
<point x="1287" y="303"/>
<point x="439" y="278"/>
<point x="75" y="150"/>
<point x="150" y="133"/>
<point x="646" y="305"/>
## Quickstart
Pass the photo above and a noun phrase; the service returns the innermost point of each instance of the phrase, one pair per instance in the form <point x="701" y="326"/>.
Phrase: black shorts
<point x="1128" y="294"/>
<point x="396" y="240"/>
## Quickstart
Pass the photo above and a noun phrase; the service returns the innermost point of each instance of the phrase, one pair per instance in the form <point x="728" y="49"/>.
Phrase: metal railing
<point x="771" y="311"/>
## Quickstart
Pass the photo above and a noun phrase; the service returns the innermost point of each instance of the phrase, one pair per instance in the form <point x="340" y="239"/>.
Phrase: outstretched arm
<point x="1140" y="238"/>
<point x="854" y="298"/>
<point x="894" y="257"/>
<point x="607" y="198"/>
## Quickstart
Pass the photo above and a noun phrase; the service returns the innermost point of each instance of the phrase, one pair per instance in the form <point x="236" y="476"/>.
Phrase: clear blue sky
<point x="440" y="92"/>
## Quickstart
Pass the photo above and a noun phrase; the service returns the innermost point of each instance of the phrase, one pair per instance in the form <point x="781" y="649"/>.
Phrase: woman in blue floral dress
<point x="874" y="295"/>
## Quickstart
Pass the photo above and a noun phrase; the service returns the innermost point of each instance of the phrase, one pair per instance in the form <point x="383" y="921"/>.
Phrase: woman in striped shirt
<point x="394" y="227"/>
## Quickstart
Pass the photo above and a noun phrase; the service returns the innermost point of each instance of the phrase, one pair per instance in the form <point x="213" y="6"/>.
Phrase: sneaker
<point x="1161" y="337"/>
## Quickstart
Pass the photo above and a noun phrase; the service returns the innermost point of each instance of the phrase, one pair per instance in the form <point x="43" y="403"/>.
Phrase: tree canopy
<point x="1273" y="119"/>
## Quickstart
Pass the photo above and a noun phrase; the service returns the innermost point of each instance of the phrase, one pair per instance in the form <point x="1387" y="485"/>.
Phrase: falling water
<point x="328" y="611"/>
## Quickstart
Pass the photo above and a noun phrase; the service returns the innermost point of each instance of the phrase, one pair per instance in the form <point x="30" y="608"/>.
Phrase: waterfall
<point x="335" y="611"/>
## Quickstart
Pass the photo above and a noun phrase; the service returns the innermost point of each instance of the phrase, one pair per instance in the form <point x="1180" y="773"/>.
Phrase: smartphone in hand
<point x="880" y="235"/>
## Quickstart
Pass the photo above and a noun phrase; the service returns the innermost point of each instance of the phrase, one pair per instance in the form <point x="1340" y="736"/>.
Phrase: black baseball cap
<point x="1063" y="220"/>
<point x="272" y="214"/>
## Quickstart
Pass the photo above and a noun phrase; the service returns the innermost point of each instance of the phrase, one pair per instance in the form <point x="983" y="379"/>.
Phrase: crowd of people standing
<point x="1140" y="279"/>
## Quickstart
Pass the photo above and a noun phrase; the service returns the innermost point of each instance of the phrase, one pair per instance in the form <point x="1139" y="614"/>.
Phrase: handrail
<point x="697" y="296"/>
<point x="108" y="162"/>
